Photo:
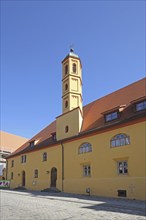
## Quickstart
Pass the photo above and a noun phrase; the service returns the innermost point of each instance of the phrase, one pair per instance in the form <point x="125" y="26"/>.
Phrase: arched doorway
<point x="23" y="178"/>
<point x="53" y="176"/>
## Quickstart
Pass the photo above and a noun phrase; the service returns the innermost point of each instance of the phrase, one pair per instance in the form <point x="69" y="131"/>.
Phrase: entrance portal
<point x="23" y="178"/>
<point x="53" y="176"/>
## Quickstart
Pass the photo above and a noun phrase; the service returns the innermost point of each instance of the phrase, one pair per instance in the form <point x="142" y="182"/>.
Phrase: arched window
<point x="66" y="129"/>
<point x="74" y="68"/>
<point x="84" y="148"/>
<point x="66" y="104"/>
<point x="120" y="140"/>
<point x="44" y="156"/>
<point x="66" y="86"/>
<point x="66" y="69"/>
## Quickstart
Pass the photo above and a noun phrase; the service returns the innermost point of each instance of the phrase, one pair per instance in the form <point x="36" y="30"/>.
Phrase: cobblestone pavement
<point x="62" y="206"/>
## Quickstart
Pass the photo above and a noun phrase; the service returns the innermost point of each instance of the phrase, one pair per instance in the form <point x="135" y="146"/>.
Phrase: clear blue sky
<point x="109" y="37"/>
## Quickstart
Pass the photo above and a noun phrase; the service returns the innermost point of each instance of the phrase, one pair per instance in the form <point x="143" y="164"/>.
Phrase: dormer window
<point x="111" y="116"/>
<point x="141" y="106"/>
<point x="54" y="136"/>
<point x="32" y="144"/>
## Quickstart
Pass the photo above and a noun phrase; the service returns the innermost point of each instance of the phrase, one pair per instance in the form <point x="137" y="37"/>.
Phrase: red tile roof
<point x="93" y="114"/>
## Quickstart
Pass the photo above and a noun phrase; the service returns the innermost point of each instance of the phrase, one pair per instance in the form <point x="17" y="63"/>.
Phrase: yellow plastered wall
<point x="35" y="161"/>
<point x="105" y="180"/>
<point x="73" y="120"/>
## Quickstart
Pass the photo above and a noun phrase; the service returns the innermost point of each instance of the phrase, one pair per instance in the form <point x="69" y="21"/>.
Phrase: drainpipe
<point x="62" y="154"/>
<point x="6" y="169"/>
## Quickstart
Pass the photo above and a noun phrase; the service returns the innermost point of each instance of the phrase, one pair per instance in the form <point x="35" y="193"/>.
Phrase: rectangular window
<point x="23" y="159"/>
<point x="111" y="116"/>
<point x="141" y="106"/>
<point x="35" y="173"/>
<point x="86" y="170"/>
<point x="45" y="156"/>
<point x="122" y="167"/>
<point x="12" y="163"/>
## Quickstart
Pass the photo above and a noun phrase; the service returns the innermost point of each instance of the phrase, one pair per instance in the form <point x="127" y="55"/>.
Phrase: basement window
<point x="122" y="193"/>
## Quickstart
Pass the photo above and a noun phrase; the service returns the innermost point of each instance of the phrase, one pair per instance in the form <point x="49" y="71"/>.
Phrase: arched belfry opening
<point x="53" y="177"/>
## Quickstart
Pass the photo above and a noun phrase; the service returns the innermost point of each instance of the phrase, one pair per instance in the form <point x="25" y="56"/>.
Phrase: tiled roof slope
<point x="93" y="114"/>
<point x="10" y="142"/>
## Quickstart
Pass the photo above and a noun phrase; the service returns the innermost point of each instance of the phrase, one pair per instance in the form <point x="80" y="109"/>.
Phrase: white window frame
<point x="111" y="116"/>
<point x="141" y="106"/>
<point x="85" y="148"/>
<point x="120" y="140"/>
<point x="23" y="159"/>
<point x="87" y="170"/>
<point x="122" y="167"/>
<point x="45" y="156"/>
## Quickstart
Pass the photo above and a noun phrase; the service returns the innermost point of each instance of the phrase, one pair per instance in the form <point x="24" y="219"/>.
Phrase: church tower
<point x="70" y="122"/>
<point x="71" y="82"/>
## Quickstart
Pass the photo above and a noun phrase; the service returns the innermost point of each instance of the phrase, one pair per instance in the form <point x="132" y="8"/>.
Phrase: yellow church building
<point x="99" y="149"/>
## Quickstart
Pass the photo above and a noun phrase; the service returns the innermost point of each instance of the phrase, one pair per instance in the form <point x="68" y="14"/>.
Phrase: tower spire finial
<point x="71" y="48"/>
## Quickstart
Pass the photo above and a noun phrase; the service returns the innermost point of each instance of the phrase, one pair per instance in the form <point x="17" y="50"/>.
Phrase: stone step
<point x="51" y="189"/>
